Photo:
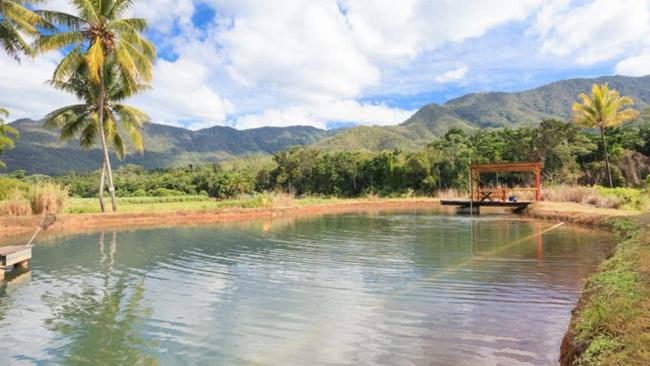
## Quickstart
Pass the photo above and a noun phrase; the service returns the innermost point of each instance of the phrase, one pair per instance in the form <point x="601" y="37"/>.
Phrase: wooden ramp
<point x="16" y="256"/>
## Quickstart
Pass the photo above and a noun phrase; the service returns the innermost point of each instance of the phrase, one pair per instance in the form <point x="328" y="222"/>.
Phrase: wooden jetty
<point x="465" y="206"/>
<point x="16" y="256"/>
<point x="497" y="197"/>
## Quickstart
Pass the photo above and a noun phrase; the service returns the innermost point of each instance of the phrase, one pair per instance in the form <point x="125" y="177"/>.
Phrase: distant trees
<point x="5" y="131"/>
<point x="602" y="110"/>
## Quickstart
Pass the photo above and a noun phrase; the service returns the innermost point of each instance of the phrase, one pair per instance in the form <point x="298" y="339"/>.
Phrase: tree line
<point x="570" y="155"/>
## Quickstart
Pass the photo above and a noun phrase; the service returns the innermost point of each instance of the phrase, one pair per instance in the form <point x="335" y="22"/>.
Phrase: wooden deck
<point x="466" y="203"/>
<point x="464" y="207"/>
<point x="16" y="256"/>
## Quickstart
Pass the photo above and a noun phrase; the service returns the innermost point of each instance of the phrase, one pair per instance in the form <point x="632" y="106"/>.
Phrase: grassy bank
<point x="203" y="203"/>
<point x="611" y="324"/>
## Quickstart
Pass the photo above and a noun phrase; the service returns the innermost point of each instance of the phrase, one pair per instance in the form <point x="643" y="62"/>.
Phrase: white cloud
<point x="453" y="74"/>
<point x="24" y="90"/>
<point x="593" y="31"/>
<point x="180" y="93"/>
<point x="319" y="115"/>
<point x="634" y="66"/>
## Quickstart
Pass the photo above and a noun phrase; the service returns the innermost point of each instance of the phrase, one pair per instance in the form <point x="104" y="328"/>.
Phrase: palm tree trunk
<point x="101" y="188"/>
<point x="107" y="160"/>
<point x="609" y="172"/>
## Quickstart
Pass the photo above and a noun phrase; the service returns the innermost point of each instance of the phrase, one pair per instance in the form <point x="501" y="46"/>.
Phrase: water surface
<point x="356" y="289"/>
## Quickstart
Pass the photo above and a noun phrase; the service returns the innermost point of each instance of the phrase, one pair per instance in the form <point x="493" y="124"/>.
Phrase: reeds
<point x="15" y="205"/>
<point x="47" y="197"/>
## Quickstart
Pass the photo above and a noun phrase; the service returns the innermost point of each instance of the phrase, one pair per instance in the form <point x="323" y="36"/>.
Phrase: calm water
<point x="355" y="289"/>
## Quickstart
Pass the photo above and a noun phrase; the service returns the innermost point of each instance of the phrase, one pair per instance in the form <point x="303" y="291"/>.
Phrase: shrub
<point x="47" y="197"/>
<point x="583" y="195"/>
<point x="9" y="185"/>
<point x="631" y="198"/>
<point x="281" y="199"/>
<point x="15" y="205"/>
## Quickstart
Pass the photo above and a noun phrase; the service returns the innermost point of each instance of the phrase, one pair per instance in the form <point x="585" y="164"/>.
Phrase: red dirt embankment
<point x="12" y="227"/>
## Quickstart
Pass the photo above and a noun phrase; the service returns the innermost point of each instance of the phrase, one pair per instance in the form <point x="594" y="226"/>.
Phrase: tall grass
<point x="15" y="205"/>
<point x="47" y="197"/>
<point x="627" y="198"/>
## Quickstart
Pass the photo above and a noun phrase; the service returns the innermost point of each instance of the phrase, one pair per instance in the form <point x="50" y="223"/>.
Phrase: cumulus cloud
<point x="454" y="74"/>
<point x="634" y="66"/>
<point x="180" y="93"/>
<point x="593" y="31"/>
<point x="24" y="90"/>
<point x="319" y="115"/>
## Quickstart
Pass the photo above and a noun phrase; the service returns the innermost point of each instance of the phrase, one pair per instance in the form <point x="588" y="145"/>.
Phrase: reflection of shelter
<point x="481" y="194"/>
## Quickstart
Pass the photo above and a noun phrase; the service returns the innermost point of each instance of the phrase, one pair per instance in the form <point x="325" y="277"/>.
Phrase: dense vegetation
<point x="570" y="155"/>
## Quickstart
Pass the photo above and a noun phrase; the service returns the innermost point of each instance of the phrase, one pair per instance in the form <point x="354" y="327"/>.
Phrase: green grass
<point x="160" y="204"/>
<point x="203" y="203"/>
<point x="609" y="326"/>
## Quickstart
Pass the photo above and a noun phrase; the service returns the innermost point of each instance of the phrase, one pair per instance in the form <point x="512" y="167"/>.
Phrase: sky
<point x="332" y="63"/>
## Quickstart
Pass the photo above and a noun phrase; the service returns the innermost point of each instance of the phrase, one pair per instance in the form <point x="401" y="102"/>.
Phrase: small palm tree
<point x="83" y="119"/>
<point x="5" y="131"/>
<point x="96" y="35"/>
<point x="16" y="22"/>
<point x="602" y="110"/>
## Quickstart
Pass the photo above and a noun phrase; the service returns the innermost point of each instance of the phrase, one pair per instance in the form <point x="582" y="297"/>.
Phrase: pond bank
<point x="611" y="322"/>
<point x="15" y="226"/>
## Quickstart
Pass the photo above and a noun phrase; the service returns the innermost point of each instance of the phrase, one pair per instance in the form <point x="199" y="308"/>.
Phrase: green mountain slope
<point x="40" y="151"/>
<point x="485" y="110"/>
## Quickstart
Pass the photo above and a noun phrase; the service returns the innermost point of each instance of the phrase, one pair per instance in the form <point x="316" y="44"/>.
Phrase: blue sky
<point x="328" y="63"/>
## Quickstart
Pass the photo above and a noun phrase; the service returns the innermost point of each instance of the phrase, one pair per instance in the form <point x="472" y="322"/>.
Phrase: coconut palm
<point x="16" y="22"/>
<point x="83" y="119"/>
<point x="603" y="110"/>
<point x="95" y="35"/>
<point x="5" y="131"/>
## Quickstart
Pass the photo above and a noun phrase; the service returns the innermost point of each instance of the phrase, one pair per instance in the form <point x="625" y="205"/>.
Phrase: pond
<point x="416" y="288"/>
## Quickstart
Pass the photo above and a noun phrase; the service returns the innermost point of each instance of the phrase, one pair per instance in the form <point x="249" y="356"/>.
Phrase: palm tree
<point x="83" y="119"/>
<point x="602" y="110"/>
<point x="16" y="22"/>
<point x="5" y="131"/>
<point x="96" y="35"/>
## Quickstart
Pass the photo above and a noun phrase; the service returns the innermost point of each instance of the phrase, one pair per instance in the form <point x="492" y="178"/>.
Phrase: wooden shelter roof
<point x="507" y="167"/>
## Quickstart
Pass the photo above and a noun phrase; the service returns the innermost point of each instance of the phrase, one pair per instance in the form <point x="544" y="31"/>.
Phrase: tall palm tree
<point x="602" y="110"/>
<point x="16" y="22"/>
<point x="83" y="119"/>
<point x="95" y="35"/>
<point x="5" y="131"/>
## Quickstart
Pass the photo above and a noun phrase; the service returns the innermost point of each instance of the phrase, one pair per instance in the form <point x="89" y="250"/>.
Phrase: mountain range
<point x="39" y="150"/>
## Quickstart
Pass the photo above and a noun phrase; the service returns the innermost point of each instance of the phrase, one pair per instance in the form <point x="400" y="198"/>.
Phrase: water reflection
<point x="100" y="323"/>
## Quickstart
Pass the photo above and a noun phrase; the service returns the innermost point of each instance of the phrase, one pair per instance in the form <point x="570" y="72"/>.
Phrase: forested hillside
<point x="39" y="150"/>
